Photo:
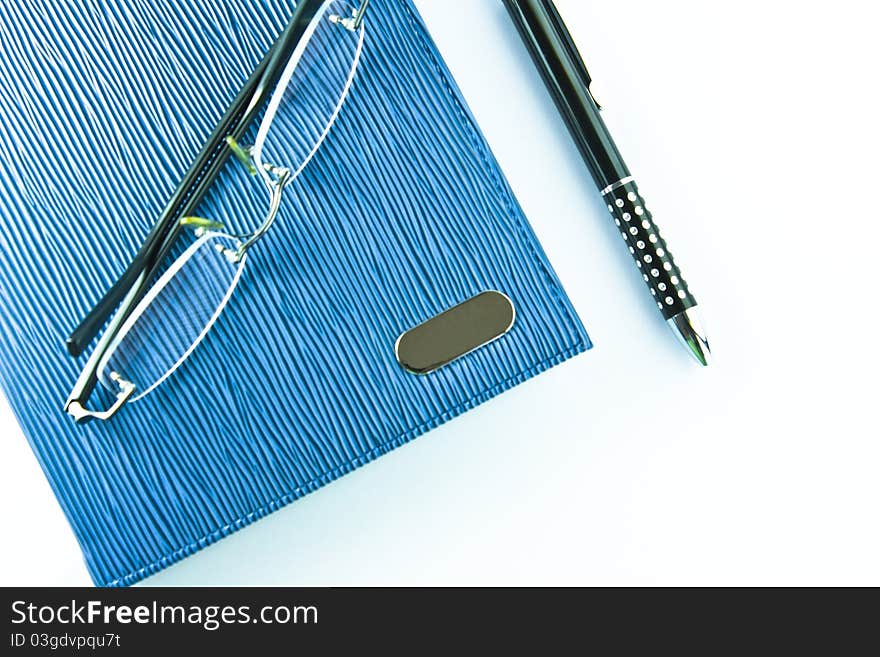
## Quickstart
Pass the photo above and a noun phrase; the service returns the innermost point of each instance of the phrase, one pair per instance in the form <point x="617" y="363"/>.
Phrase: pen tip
<point x="689" y="330"/>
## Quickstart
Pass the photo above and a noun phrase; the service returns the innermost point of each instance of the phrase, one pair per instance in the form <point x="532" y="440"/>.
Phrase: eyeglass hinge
<point x="81" y="414"/>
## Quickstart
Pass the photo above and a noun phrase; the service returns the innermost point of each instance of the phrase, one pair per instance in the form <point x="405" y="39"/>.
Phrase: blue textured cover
<point x="402" y="214"/>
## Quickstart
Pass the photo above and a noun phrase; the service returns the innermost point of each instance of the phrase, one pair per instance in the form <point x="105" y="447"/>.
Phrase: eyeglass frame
<point x="135" y="282"/>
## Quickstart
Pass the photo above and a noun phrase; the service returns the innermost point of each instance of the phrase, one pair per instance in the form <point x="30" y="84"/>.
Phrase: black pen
<point x="566" y="76"/>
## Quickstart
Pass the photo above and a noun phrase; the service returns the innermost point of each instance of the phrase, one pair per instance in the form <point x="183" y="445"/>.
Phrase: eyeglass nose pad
<point x="282" y="174"/>
<point x="353" y="22"/>
<point x="244" y="154"/>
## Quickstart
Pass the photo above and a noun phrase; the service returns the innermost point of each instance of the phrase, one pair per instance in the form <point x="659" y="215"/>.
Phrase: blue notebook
<point x="402" y="213"/>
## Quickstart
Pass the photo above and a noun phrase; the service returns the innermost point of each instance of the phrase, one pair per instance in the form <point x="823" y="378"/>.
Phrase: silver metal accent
<point x="689" y="330"/>
<point x="81" y="414"/>
<point x="354" y="21"/>
<point x="620" y="183"/>
<point x="276" y="189"/>
<point x="455" y="332"/>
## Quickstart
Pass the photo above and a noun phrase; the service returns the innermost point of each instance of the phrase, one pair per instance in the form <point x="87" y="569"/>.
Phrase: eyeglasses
<point x="158" y="326"/>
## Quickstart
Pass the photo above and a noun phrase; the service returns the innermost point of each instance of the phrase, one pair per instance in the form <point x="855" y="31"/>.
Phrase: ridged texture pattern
<point x="402" y="214"/>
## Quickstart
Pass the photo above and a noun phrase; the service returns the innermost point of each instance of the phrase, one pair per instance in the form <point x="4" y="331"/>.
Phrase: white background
<point x="752" y="129"/>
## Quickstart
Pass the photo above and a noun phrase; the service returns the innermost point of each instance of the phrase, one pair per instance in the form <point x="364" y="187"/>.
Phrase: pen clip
<point x="593" y="95"/>
<point x="573" y="53"/>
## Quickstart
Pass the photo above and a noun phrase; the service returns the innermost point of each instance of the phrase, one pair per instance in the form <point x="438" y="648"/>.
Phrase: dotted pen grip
<point x="648" y="249"/>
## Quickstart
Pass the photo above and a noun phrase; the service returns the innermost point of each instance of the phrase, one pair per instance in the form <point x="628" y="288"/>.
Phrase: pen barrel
<point x="557" y="59"/>
<point x="648" y="249"/>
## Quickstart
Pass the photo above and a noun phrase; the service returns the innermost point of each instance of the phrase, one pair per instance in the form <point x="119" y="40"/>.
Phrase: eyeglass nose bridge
<point x="276" y="179"/>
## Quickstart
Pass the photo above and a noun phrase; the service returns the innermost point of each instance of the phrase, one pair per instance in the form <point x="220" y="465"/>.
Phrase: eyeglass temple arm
<point x="88" y="379"/>
<point x="201" y="174"/>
